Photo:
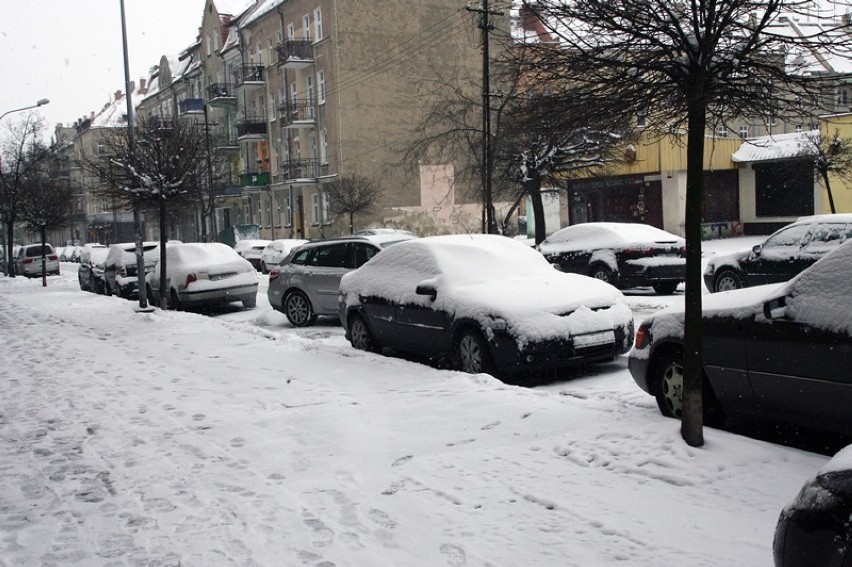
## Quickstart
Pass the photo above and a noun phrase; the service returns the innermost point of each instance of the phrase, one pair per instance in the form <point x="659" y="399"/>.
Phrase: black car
<point x="780" y="351"/>
<point x="488" y="303"/>
<point x="815" y="529"/>
<point x="120" y="268"/>
<point x="784" y="254"/>
<point x="623" y="254"/>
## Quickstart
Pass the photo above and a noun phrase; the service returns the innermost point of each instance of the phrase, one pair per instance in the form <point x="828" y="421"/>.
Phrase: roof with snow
<point x="781" y="146"/>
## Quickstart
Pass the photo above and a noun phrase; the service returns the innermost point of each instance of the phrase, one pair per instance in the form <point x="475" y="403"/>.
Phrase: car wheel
<point x="174" y="300"/>
<point x="473" y="354"/>
<point x="298" y="309"/>
<point x="668" y="389"/>
<point x="601" y="272"/>
<point x="360" y="336"/>
<point x="728" y="280"/>
<point x="249" y="301"/>
<point x="665" y="288"/>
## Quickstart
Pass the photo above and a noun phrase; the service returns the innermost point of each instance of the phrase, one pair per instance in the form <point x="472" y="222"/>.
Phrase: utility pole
<point x="486" y="26"/>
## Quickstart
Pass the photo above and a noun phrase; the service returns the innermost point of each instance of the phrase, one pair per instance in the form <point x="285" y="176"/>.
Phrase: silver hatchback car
<point x="304" y="286"/>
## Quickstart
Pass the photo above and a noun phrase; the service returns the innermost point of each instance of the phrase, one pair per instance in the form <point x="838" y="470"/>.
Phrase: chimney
<point x="118" y="95"/>
<point x="142" y="85"/>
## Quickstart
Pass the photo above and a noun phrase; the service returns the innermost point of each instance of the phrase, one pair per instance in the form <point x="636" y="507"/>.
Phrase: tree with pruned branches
<point x="46" y="204"/>
<point x="352" y="195"/>
<point x="682" y="63"/>
<point x="830" y="155"/>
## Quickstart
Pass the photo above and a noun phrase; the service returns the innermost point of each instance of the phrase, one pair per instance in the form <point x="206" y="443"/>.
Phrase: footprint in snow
<point x="402" y="460"/>
<point x="454" y="555"/>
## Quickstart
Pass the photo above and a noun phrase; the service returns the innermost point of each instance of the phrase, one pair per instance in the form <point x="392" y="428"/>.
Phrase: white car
<point x="204" y="274"/>
<point x="251" y="250"/>
<point x="276" y="251"/>
<point x="488" y="303"/>
<point x="28" y="260"/>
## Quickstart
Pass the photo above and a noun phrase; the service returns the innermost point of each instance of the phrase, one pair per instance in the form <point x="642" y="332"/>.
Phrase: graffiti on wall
<point x="724" y="229"/>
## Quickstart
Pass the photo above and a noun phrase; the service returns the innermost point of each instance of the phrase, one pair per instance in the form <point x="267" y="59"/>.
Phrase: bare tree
<point x="678" y="62"/>
<point x="352" y="195"/>
<point x="830" y="155"/>
<point x="162" y="170"/>
<point x="21" y="155"/>
<point x="46" y="204"/>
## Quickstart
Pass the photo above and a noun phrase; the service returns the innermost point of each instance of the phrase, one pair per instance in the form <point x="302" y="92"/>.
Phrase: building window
<point x="315" y="209"/>
<point x="101" y="149"/>
<point x="306" y="25"/>
<point x="721" y="131"/>
<point x="755" y="128"/>
<point x="207" y="43"/>
<point x="216" y="41"/>
<point x="288" y="210"/>
<point x="784" y="188"/>
<point x="326" y="209"/>
<point x="324" y="146"/>
<point x="743" y="132"/>
<point x="309" y="88"/>
<point x="318" y="24"/>
<point x="291" y="31"/>
<point x="799" y="129"/>
<point x="641" y="120"/>
<point x="321" y="87"/>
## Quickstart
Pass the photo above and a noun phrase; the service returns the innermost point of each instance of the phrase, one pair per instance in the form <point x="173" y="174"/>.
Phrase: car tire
<point x="665" y="288"/>
<point x="601" y="272"/>
<point x="249" y="301"/>
<point x="726" y="280"/>
<point x="298" y="309"/>
<point x="667" y="384"/>
<point x="473" y="354"/>
<point x="360" y="336"/>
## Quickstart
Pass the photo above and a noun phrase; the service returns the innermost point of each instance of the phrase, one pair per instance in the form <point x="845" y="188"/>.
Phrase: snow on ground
<point x="175" y="438"/>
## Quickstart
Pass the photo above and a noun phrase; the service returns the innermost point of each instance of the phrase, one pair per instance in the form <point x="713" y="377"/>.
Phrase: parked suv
<point x="305" y="284"/>
<point x="28" y="260"/>
<point x="782" y="256"/>
<point x="120" y="268"/>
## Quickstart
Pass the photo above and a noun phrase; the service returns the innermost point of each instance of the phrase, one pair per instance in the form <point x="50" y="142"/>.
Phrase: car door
<point x="779" y="258"/>
<point x="800" y="359"/>
<point x="723" y="342"/>
<point x="326" y="265"/>
<point x="423" y="327"/>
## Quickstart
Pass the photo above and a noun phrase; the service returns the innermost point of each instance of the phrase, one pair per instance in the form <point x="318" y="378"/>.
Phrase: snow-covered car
<point x="120" y="267"/>
<point x="90" y="274"/>
<point x="814" y="529"/>
<point x="491" y="303"/>
<point x="204" y="274"/>
<point x="251" y="250"/>
<point x="784" y="254"/>
<point x="276" y="251"/>
<point x="778" y="351"/>
<point x="28" y="260"/>
<point x="623" y="254"/>
<point x="304" y="286"/>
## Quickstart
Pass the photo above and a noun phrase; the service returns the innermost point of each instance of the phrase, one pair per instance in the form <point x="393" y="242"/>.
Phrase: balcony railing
<point x="224" y="143"/>
<point x="295" y="53"/>
<point x="191" y="106"/>
<point x="298" y="112"/>
<point x="302" y="169"/>
<point x="254" y="179"/>
<point x="249" y="75"/>
<point x="219" y="93"/>
<point x="250" y="126"/>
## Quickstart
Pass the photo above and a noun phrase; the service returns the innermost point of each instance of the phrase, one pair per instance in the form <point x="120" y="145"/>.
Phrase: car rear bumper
<point x="217" y="295"/>
<point x="638" y="367"/>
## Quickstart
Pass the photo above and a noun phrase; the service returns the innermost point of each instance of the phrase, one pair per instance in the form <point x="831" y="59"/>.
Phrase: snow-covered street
<point x="174" y="438"/>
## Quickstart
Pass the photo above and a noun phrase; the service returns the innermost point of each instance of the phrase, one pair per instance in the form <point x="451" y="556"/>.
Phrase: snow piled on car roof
<point x="596" y="235"/>
<point x="819" y="296"/>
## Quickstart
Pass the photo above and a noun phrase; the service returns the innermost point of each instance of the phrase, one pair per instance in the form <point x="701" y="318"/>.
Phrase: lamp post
<point x="39" y="102"/>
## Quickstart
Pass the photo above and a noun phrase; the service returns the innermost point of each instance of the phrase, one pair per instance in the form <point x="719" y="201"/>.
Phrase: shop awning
<point x="781" y="146"/>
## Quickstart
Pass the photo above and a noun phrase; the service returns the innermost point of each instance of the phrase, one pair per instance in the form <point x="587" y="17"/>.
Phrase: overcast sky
<point x="70" y="51"/>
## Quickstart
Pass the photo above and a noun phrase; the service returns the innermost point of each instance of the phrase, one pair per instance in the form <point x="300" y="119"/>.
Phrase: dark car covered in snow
<point x="624" y="254"/>
<point x="778" y="351"/>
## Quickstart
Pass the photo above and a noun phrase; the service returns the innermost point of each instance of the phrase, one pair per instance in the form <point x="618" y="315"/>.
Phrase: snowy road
<point x="180" y="439"/>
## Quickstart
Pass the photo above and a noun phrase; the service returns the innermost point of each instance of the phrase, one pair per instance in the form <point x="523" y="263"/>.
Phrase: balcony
<point x="191" y="106"/>
<point x="251" y="127"/>
<point x="249" y="76"/>
<point x="295" y="54"/>
<point x="256" y="179"/>
<point x="224" y="144"/>
<point x="298" y="113"/>
<point x="221" y="95"/>
<point x="300" y="171"/>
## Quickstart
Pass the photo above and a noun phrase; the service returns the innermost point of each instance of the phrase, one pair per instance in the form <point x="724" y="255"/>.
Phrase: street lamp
<point x="40" y="102"/>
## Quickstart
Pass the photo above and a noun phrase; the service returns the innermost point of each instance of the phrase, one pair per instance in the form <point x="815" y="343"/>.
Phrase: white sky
<point x="71" y="51"/>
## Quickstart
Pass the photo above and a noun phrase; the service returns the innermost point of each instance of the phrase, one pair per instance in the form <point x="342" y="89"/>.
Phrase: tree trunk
<point x="163" y="240"/>
<point x="828" y="190"/>
<point x="43" y="235"/>
<point x="693" y="421"/>
<point x="532" y="187"/>
<point x="351" y="222"/>
<point x="10" y="244"/>
<point x="140" y="256"/>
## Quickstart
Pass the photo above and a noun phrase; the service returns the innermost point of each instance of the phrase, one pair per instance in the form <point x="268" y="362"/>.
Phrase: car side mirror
<point x="757" y="249"/>
<point x="775" y="308"/>
<point x="427" y="289"/>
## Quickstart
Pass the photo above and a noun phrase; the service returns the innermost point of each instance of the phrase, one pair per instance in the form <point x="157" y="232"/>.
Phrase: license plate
<point x="594" y="339"/>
